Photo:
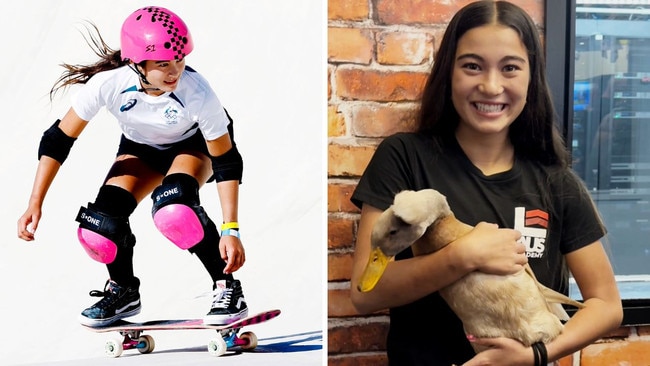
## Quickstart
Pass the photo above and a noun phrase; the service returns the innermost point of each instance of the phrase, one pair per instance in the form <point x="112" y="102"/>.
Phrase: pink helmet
<point x="155" y="33"/>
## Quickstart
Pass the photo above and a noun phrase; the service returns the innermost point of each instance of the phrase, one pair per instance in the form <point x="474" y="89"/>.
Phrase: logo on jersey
<point x="171" y="115"/>
<point x="129" y="104"/>
<point x="533" y="227"/>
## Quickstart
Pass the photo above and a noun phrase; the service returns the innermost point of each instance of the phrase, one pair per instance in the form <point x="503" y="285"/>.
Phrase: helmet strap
<point x="142" y="77"/>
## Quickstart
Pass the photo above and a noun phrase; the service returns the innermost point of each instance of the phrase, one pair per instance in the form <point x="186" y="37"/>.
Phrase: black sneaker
<point x="228" y="304"/>
<point x="118" y="302"/>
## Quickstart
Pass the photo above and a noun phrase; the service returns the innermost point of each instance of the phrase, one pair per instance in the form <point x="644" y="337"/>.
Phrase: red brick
<point x="362" y="336"/>
<point x="380" y="120"/>
<point x="339" y="304"/>
<point x="566" y="361"/>
<point x="339" y="266"/>
<point x="329" y="83"/>
<point x="349" y="10"/>
<point x="404" y="48"/>
<point x="338" y="197"/>
<point x="629" y="352"/>
<point x="348" y="161"/>
<point x="437" y="35"/>
<point x="351" y="45"/>
<point x="417" y="11"/>
<point x="359" y="359"/>
<point x="439" y="12"/>
<point x="335" y="122"/>
<point x="381" y="86"/>
<point x="340" y="233"/>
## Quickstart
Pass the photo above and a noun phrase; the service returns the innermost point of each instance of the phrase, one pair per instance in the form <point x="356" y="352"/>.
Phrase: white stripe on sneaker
<point x="122" y="309"/>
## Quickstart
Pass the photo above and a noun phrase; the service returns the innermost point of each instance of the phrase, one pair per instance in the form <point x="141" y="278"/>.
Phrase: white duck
<point x="515" y="306"/>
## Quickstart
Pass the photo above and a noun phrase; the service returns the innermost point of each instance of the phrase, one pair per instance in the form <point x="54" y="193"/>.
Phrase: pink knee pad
<point x="97" y="246"/>
<point x="179" y="224"/>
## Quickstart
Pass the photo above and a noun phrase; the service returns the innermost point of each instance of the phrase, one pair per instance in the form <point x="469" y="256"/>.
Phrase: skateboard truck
<point x="229" y="338"/>
<point x="132" y="340"/>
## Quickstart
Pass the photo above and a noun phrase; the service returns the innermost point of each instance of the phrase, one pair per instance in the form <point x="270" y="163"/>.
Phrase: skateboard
<point x="227" y="338"/>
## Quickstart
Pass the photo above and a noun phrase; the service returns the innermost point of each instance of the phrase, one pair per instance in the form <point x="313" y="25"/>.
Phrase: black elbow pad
<point x="55" y="143"/>
<point x="229" y="166"/>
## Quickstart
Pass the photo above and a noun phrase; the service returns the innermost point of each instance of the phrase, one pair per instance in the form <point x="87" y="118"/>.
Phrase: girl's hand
<point x="492" y="250"/>
<point x="502" y="352"/>
<point x="28" y="223"/>
<point x="232" y="251"/>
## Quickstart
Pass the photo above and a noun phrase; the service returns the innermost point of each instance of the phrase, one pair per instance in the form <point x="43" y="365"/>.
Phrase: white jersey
<point x="154" y="120"/>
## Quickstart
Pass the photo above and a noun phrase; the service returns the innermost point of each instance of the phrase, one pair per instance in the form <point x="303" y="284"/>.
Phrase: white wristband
<point x="231" y="232"/>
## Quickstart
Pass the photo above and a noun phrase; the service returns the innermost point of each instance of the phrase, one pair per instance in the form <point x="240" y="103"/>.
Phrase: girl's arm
<point x="231" y="248"/>
<point x="603" y="311"/>
<point x="72" y="126"/>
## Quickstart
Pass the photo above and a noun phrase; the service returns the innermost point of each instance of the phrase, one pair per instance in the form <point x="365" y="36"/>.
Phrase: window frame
<point x="559" y="25"/>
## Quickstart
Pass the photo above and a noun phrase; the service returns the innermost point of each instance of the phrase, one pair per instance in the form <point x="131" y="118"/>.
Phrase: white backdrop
<point x="265" y="61"/>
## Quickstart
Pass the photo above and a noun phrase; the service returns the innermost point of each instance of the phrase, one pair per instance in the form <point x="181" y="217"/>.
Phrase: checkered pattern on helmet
<point x="177" y="42"/>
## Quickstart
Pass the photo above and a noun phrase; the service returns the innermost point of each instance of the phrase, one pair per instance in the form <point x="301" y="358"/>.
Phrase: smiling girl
<point x="176" y="136"/>
<point x="488" y="141"/>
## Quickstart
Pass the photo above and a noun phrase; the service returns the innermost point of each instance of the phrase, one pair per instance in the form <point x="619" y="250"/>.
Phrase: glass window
<point x="608" y="124"/>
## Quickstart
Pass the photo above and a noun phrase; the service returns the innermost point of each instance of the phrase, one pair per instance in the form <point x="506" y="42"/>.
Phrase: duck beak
<point x="374" y="269"/>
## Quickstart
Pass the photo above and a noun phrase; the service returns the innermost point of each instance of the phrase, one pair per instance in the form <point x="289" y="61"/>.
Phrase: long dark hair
<point x="109" y="59"/>
<point x="534" y="134"/>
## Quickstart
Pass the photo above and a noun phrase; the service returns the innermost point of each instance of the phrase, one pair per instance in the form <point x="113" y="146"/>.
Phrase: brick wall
<point x="379" y="54"/>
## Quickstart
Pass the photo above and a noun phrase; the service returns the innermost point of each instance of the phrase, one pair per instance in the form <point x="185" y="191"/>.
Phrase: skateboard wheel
<point x="113" y="348"/>
<point x="217" y="346"/>
<point x="250" y="338"/>
<point x="146" y="344"/>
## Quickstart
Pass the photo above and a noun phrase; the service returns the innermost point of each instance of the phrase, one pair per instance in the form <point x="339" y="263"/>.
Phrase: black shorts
<point x="161" y="160"/>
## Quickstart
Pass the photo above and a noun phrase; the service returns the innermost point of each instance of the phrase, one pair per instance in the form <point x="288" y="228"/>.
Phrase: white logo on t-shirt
<point x="533" y="226"/>
<point x="171" y="115"/>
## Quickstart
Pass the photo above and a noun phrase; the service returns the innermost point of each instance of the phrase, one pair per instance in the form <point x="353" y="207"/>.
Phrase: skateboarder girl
<point x="176" y="136"/>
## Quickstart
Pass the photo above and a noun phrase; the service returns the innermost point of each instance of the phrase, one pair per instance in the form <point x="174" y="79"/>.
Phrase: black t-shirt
<point x="427" y="332"/>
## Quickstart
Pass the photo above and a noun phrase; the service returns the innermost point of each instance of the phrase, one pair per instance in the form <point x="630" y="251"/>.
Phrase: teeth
<point x="489" y="108"/>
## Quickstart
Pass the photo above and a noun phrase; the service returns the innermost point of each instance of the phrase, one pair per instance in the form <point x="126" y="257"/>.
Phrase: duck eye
<point x="392" y="232"/>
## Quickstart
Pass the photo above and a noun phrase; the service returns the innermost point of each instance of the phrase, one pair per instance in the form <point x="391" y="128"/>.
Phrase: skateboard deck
<point x="228" y="336"/>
